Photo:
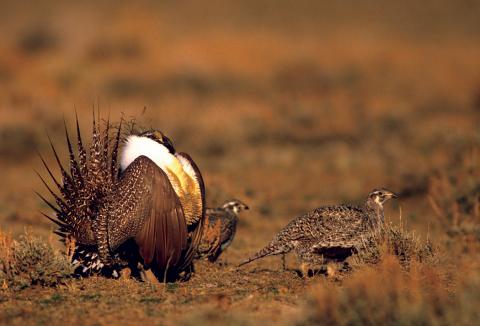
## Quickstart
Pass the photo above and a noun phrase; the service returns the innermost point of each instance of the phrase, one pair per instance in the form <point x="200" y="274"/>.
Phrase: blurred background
<point x="286" y="105"/>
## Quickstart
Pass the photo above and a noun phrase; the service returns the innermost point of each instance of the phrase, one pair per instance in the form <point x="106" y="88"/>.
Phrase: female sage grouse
<point x="219" y="229"/>
<point x="329" y="233"/>
<point x="148" y="211"/>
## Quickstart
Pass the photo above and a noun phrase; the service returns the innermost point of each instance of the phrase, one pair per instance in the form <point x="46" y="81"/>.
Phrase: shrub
<point x="398" y="242"/>
<point x="31" y="261"/>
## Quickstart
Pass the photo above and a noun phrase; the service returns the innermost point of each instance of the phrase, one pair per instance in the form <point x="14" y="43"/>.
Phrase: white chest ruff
<point x="178" y="170"/>
<point x="136" y="146"/>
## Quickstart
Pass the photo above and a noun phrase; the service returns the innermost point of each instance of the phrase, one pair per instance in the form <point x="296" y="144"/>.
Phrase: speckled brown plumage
<point x="132" y="217"/>
<point x="329" y="232"/>
<point x="219" y="229"/>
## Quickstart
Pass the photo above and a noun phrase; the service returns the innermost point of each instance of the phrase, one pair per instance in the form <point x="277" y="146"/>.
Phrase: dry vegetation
<point x="386" y="295"/>
<point x="31" y="261"/>
<point x="284" y="106"/>
<point x="400" y="243"/>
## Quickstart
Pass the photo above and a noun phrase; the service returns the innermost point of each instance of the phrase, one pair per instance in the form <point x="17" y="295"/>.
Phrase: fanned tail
<point x="81" y="189"/>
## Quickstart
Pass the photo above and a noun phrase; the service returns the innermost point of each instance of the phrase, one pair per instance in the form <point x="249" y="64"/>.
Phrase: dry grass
<point x="454" y="195"/>
<point x="454" y="192"/>
<point x="388" y="295"/>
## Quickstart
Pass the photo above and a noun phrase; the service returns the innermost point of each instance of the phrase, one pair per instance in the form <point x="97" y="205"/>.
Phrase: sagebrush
<point x="398" y="242"/>
<point x="31" y="261"/>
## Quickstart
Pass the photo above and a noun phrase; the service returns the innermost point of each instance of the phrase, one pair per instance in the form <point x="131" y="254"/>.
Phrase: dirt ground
<point x="284" y="105"/>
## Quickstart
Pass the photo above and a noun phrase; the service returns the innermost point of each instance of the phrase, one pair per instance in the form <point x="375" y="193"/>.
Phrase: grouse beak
<point x="392" y="195"/>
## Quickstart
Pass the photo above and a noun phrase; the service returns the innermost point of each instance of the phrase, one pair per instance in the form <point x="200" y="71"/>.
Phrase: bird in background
<point x="219" y="229"/>
<point x="329" y="233"/>
<point x="145" y="210"/>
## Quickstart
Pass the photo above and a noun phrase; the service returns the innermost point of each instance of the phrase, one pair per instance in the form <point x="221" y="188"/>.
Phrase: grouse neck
<point x="376" y="209"/>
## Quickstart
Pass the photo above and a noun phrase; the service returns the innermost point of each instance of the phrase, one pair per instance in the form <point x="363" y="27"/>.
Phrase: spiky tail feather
<point x="82" y="189"/>
<point x="273" y="248"/>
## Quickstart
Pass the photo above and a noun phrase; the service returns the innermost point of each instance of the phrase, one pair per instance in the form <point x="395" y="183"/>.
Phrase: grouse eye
<point x="151" y="135"/>
<point x="168" y="144"/>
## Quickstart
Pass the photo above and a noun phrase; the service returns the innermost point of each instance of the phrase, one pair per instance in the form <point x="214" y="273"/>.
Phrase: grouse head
<point x="380" y="196"/>
<point x="152" y="144"/>
<point x="234" y="205"/>
<point x="160" y="138"/>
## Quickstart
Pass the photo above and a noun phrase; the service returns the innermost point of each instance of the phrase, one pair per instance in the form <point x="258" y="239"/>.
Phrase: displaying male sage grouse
<point x="219" y="229"/>
<point x="146" y="211"/>
<point x="329" y="233"/>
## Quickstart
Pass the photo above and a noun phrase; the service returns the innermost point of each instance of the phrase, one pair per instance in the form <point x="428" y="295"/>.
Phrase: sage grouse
<point x="219" y="229"/>
<point x="147" y="211"/>
<point x="329" y="233"/>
